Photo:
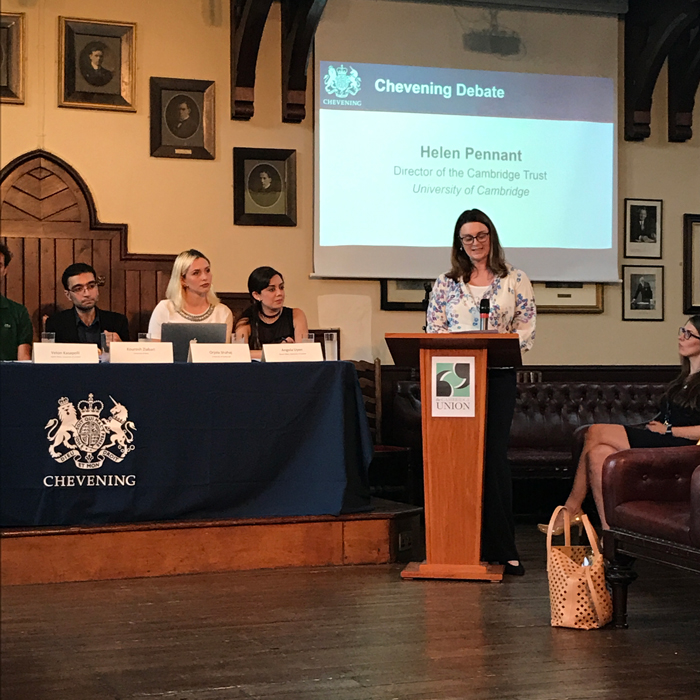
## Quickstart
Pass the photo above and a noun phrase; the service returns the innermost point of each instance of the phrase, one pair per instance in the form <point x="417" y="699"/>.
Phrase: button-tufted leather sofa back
<point x="548" y="413"/>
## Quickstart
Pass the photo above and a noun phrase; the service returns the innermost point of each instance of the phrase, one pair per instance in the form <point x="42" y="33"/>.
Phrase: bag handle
<point x="592" y="534"/>
<point x="550" y="529"/>
<point x="590" y="531"/>
<point x="597" y="603"/>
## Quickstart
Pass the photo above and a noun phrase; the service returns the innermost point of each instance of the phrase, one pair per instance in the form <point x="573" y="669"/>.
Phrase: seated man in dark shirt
<point x="85" y="322"/>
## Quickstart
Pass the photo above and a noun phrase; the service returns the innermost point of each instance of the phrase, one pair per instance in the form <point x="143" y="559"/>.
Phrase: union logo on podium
<point x="451" y="386"/>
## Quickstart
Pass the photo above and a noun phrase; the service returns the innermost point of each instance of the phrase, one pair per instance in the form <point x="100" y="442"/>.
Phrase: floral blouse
<point x="453" y="308"/>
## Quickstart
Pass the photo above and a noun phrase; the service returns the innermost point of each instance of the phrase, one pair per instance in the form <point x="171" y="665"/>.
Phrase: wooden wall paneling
<point x="15" y="273"/>
<point x="31" y="279"/>
<point x="133" y="306"/>
<point x="45" y="203"/>
<point x="162" y="279"/>
<point x="102" y="264"/>
<point x="118" y="277"/>
<point x="3" y="281"/>
<point x="47" y="277"/>
<point x="147" y="298"/>
<point x="82" y="250"/>
<point x="64" y="257"/>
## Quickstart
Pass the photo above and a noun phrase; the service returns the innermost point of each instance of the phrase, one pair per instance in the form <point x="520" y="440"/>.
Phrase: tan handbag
<point x="578" y="594"/>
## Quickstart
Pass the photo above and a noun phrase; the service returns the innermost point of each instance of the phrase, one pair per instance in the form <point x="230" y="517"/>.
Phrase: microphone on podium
<point x="484" y="308"/>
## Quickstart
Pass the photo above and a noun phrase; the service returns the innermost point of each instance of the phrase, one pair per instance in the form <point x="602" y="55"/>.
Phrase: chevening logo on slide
<point x="342" y="81"/>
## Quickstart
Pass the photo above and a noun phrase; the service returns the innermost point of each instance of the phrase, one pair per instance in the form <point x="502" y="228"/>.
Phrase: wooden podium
<point x="453" y="446"/>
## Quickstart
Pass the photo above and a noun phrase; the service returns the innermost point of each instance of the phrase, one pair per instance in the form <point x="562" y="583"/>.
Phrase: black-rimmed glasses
<point x="80" y="287"/>
<point x="686" y="334"/>
<point x="469" y="240"/>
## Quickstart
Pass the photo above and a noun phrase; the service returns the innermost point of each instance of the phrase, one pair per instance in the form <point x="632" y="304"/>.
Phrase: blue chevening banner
<point x="97" y="444"/>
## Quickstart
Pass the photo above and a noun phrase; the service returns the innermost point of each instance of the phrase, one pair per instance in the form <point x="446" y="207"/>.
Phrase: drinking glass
<point x="330" y="343"/>
<point x="144" y="338"/>
<point x="309" y="338"/>
<point x="48" y="337"/>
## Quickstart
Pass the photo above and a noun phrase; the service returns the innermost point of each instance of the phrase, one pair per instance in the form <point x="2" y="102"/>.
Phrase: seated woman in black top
<point x="677" y="424"/>
<point x="267" y="319"/>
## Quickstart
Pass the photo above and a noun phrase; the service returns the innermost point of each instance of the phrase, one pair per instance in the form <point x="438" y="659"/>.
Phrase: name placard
<point x="219" y="352"/>
<point x="141" y="353"/>
<point x="292" y="352"/>
<point x="65" y="354"/>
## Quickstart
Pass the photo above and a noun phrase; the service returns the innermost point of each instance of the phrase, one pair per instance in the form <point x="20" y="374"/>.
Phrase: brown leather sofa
<point x="652" y="505"/>
<point x="547" y="414"/>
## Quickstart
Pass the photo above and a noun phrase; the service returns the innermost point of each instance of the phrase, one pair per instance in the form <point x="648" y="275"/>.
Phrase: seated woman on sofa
<point x="267" y="320"/>
<point x="677" y="424"/>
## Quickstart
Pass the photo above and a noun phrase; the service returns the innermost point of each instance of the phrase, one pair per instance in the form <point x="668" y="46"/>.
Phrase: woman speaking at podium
<point x="480" y="272"/>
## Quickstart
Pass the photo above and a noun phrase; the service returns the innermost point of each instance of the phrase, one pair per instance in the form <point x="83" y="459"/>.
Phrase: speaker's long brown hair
<point x="690" y="396"/>
<point x="462" y="266"/>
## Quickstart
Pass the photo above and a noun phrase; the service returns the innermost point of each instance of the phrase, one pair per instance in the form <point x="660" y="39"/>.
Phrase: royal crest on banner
<point x="90" y="439"/>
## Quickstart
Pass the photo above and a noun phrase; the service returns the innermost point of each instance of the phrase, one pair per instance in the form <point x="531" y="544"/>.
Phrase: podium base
<point x="463" y="572"/>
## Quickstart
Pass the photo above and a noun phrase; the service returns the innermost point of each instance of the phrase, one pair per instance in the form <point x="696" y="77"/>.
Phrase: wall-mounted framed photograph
<point x="643" y="228"/>
<point x="569" y="297"/>
<point x="12" y="58"/>
<point x="642" y="293"/>
<point x="182" y="118"/>
<point x="264" y="187"/>
<point x="691" y="263"/>
<point x="97" y="65"/>
<point x="405" y="295"/>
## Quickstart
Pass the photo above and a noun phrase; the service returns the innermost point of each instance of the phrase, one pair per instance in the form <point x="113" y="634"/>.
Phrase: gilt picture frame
<point x="12" y="48"/>
<point x="97" y="65"/>
<point x="569" y="297"/>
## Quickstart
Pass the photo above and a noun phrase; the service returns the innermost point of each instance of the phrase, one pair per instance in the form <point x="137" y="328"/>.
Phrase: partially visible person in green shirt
<point x="15" y="325"/>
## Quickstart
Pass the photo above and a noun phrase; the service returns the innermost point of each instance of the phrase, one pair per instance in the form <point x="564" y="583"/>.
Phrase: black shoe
<point x="513" y="570"/>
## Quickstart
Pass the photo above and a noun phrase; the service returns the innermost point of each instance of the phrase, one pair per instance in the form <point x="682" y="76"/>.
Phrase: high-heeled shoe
<point x="559" y="529"/>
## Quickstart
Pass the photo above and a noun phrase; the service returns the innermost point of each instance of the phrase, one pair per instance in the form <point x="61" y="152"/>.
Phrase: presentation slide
<point x="403" y="150"/>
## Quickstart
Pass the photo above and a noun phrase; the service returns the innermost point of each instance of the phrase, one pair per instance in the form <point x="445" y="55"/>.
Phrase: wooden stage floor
<point x="344" y="633"/>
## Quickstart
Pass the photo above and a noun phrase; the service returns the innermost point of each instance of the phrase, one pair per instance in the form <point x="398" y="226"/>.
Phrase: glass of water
<point x="47" y="337"/>
<point x="330" y="343"/>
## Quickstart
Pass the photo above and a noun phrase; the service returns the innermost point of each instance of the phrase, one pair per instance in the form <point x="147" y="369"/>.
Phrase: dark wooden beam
<point x="248" y="19"/>
<point x="651" y="30"/>
<point x="683" y="81"/>
<point x="300" y="19"/>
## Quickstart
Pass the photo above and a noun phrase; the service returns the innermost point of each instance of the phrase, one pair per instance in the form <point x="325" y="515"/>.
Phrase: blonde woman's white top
<point x="165" y="312"/>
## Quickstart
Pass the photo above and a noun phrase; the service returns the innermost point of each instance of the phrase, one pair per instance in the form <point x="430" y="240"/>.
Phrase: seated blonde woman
<point x="190" y="296"/>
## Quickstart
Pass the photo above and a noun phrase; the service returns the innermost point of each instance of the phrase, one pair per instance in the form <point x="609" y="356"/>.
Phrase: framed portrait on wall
<point x="264" y="187"/>
<point x="97" y="65"/>
<point x="12" y="58"/>
<point x="569" y="297"/>
<point x="642" y="293"/>
<point x="691" y="263"/>
<point x="405" y="295"/>
<point x="182" y="118"/>
<point x="643" y="228"/>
